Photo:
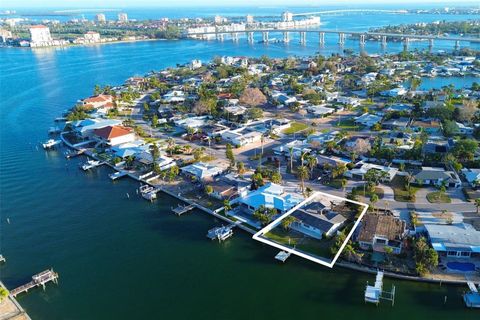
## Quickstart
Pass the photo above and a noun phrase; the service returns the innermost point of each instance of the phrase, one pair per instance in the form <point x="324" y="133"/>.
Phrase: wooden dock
<point x="40" y="279"/>
<point x="182" y="209"/>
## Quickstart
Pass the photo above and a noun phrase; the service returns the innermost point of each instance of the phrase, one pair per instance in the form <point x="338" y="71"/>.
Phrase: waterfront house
<point x="201" y="171"/>
<point x="163" y="161"/>
<point x="133" y="148"/>
<point x="114" y="135"/>
<point x="368" y="120"/>
<point x="359" y="171"/>
<point x="98" y="101"/>
<point x="85" y="128"/>
<point x="270" y="195"/>
<point x="437" y="177"/>
<point x="378" y="232"/>
<point x="317" y="220"/>
<point x="459" y="240"/>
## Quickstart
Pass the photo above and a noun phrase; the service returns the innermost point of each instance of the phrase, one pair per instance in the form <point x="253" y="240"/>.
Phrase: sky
<point x="219" y="3"/>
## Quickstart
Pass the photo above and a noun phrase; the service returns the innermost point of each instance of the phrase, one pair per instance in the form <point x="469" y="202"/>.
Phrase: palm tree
<point x="344" y="184"/>
<point x="311" y="162"/>
<point x="170" y="145"/>
<point x="477" y="204"/>
<point x="290" y="150"/>
<point x="373" y="200"/>
<point x="302" y="173"/>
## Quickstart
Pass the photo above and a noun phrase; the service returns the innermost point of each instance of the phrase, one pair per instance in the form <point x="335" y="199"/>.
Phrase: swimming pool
<point x="461" y="266"/>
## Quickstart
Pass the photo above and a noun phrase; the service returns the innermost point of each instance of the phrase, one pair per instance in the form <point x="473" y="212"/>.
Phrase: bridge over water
<point x="363" y="36"/>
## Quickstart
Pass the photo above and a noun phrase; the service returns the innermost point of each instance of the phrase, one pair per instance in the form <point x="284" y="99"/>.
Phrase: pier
<point x="179" y="210"/>
<point x="472" y="298"/>
<point x="148" y="192"/>
<point x="40" y="279"/>
<point x="375" y="293"/>
<point x="282" y="256"/>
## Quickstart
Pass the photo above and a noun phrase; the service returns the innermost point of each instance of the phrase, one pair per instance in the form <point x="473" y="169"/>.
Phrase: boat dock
<point x="283" y="256"/>
<point x="179" y="210"/>
<point x="472" y="298"/>
<point x="148" y="192"/>
<point x="221" y="233"/>
<point x="375" y="293"/>
<point x="40" y="279"/>
<point x="117" y="175"/>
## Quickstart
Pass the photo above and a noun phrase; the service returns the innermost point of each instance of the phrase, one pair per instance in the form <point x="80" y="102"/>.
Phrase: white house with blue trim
<point x="270" y="195"/>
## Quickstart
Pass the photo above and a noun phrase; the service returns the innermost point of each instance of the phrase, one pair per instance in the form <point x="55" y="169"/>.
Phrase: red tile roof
<point x="99" y="98"/>
<point x="111" y="132"/>
<point x="38" y="27"/>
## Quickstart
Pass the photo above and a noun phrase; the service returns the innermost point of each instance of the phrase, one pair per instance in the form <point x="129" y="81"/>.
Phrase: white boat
<point x="50" y="143"/>
<point x="90" y="164"/>
<point x="117" y="175"/>
<point x="148" y="192"/>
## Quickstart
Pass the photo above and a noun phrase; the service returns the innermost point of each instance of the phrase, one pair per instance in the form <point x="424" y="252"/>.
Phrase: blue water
<point x="125" y="258"/>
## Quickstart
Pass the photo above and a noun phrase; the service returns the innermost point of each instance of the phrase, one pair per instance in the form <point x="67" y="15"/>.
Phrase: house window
<point x="452" y="253"/>
<point x="465" y="254"/>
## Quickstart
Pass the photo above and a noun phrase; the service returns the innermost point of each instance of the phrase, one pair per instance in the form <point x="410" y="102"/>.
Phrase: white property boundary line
<point x="259" y="235"/>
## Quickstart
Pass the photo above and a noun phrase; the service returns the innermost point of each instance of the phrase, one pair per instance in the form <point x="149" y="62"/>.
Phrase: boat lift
<point x="221" y="233"/>
<point x="375" y="293"/>
<point x="148" y="192"/>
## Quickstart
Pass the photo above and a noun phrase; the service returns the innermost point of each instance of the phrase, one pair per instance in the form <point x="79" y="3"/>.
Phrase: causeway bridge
<point x="362" y="36"/>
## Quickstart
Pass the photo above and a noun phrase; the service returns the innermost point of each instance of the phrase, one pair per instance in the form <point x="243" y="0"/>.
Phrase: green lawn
<point x="295" y="127"/>
<point x="400" y="193"/>
<point x="334" y="183"/>
<point x="438" y="197"/>
<point x="378" y="191"/>
<point x="348" y="124"/>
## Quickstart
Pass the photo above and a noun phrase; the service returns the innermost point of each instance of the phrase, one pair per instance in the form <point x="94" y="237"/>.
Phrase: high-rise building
<point x="122" y="17"/>
<point x="100" y="18"/>
<point x="249" y="19"/>
<point x="287" y="16"/>
<point x="219" y="20"/>
<point x="40" y="34"/>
